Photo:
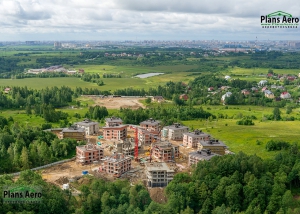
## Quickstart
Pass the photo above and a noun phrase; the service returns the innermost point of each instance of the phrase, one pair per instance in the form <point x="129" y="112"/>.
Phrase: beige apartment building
<point x="174" y="132"/>
<point x="191" y="139"/>
<point x="213" y="145"/>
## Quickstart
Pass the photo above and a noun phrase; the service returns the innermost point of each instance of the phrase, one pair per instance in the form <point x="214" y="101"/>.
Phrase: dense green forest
<point x="226" y="184"/>
<point x="25" y="147"/>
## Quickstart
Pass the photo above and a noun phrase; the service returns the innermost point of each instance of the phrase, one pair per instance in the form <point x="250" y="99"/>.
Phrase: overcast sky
<point x="142" y="19"/>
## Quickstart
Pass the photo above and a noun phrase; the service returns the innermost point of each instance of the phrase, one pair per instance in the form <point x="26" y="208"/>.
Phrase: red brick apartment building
<point x="114" y="129"/>
<point x="116" y="165"/>
<point x="86" y="154"/>
<point x="148" y="131"/>
<point x="165" y="151"/>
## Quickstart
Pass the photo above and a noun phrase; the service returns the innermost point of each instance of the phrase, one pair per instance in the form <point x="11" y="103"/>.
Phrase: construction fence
<point x="45" y="166"/>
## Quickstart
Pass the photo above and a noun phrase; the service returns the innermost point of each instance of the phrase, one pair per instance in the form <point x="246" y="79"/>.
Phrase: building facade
<point x="114" y="129"/>
<point x="116" y="165"/>
<point x="73" y="132"/>
<point x="213" y="145"/>
<point x="148" y="131"/>
<point x="158" y="174"/>
<point x="191" y="139"/>
<point x="165" y="151"/>
<point x="174" y="132"/>
<point x="87" y="154"/>
<point x="200" y="155"/>
<point x="91" y="128"/>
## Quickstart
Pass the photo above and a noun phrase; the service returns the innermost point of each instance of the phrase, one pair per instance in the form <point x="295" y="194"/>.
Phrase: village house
<point x="225" y="88"/>
<point x="200" y="155"/>
<point x="245" y="92"/>
<point x="87" y="154"/>
<point x="114" y="129"/>
<point x="213" y="145"/>
<point x="264" y="88"/>
<point x="285" y="95"/>
<point x="254" y="89"/>
<point x="116" y="165"/>
<point x="7" y="90"/>
<point x="158" y="174"/>
<point x="291" y="78"/>
<point x="91" y="128"/>
<point x="184" y="97"/>
<point x="174" y="132"/>
<point x="262" y="82"/>
<point x="227" y="77"/>
<point x="210" y="89"/>
<point x="269" y="94"/>
<point x="191" y="139"/>
<point x="227" y="94"/>
<point x="158" y="99"/>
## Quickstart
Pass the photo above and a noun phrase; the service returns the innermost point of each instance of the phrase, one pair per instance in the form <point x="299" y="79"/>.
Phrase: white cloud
<point x="190" y="19"/>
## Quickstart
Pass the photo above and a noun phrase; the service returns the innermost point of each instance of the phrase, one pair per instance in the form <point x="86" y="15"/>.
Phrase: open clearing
<point x="118" y="102"/>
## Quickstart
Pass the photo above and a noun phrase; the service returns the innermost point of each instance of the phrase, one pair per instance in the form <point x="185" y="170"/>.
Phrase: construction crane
<point x="136" y="143"/>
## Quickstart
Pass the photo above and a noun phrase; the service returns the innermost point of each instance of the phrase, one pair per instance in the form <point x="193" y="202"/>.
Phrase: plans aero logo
<point x="279" y="19"/>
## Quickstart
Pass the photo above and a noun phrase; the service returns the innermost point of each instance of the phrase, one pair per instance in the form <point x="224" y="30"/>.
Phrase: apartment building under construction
<point x="215" y="146"/>
<point x="87" y="154"/>
<point x="116" y="165"/>
<point x="200" y="155"/>
<point x="191" y="139"/>
<point x="114" y="129"/>
<point x="148" y="131"/>
<point x="158" y="174"/>
<point x="165" y="151"/>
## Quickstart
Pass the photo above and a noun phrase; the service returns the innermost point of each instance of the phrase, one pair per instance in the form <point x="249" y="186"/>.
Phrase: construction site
<point x="143" y="156"/>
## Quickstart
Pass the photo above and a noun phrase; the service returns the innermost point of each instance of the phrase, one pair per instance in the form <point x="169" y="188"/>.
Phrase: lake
<point x="148" y="75"/>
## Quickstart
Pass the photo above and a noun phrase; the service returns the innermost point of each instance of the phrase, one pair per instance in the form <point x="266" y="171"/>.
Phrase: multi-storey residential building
<point x="87" y="154"/>
<point x="91" y="128"/>
<point x="174" y="132"/>
<point x="73" y="132"/>
<point x="213" y="145"/>
<point x="116" y="165"/>
<point x="158" y="174"/>
<point x="113" y="121"/>
<point x="191" y="139"/>
<point x="165" y="151"/>
<point x="148" y="131"/>
<point x="200" y="155"/>
<point x="114" y="129"/>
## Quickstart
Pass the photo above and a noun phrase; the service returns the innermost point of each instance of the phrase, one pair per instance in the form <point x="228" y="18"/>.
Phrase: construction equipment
<point x="136" y="143"/>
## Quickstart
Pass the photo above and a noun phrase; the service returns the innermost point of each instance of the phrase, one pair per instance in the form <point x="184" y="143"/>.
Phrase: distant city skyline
<point x="51" y="20"/>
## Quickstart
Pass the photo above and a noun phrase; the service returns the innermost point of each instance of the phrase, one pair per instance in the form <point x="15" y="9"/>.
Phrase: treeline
<point x="231" y="184"/>
<point x="27" y="147"/>
<point x="97" y="112"/>
<point x="167" y="115"/>
<point x="112" y="76"/>
<point x="238" y="184"/>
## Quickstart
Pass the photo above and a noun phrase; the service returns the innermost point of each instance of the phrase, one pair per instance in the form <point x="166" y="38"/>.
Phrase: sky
<point x="63" y="20"/>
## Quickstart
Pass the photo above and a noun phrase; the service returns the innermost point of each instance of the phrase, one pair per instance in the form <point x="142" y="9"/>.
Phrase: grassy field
<point x="260" y="71"/>
<point x="246" y="110"/>
<point x="110" y="83"/>
<point x="244" y="138"/>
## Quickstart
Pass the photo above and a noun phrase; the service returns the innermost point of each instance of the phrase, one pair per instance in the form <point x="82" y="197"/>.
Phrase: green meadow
<point x="244" y="138"/>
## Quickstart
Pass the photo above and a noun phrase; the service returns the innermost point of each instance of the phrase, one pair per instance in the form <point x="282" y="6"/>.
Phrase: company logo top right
<point x="279" y="19"/>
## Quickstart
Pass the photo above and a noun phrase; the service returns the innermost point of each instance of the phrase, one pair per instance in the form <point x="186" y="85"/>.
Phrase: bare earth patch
<point x="118" y="102"/>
